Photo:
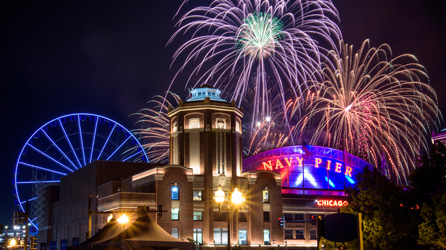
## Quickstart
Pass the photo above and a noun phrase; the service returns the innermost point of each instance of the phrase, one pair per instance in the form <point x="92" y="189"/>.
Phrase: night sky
<point x="110" y="58"/>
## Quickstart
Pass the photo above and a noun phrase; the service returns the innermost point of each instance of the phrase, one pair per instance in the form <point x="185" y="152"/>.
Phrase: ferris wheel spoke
<point x="80" y="136"/>
<point x="37" y="182"/>
<point x="57" y="147"/>
<point x="69" y="142"/>
<point x="41" y="168"/>
<point x="94" y="138"/>
<point x="105" y="144"/>
<point x="49" y="157"/>
<point x="34" y="219"/>
<point x="33" y="198"/>
<point x="116" y="150"/>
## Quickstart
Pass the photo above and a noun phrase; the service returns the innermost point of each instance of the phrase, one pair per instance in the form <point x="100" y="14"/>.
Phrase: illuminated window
<point x="265" y="196"/>
<point x="220" y="123"/>
<point x="266" y="237"/>
<point x="238" y="127"/>
<point x="175" y="193"/>
<point x="198" y="235"/>
<point x="175" y="127"/>
<point x="198" y="215"/>
<point x="300" y="234"/>
<point x="197" y="195"/>
<point x="175" y="213"/>
<point x="243" y="236"/>
<point x="313" y="235"/>
<point x="194" y="123"/>
<point x="221" y="236"/>
<point x="175" y="232"/>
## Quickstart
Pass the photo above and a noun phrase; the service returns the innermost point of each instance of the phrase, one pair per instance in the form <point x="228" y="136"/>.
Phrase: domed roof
<point x="200" y="93"/>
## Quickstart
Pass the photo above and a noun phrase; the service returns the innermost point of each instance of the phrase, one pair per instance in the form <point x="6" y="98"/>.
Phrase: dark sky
<point x="110" y="58"/>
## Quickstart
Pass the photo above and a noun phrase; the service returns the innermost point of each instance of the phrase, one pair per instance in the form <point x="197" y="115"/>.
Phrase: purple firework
<point x="271" y="46"/>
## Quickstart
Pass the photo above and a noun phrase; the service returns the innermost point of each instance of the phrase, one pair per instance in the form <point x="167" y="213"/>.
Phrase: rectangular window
<point x="221" y="236"/>
<point x="313" y="235"/>
<point x="175" y="213"/>
<point x="175" y="233"/>
<point x="266" y="237"/>
<point x="194" y="123"/>
<point x="299" y="217"/>
<point x="288" y="217"/>
<point x="288" y="234"/>
<point x="265" y="216"/>
<point x="197" y="195"/>
<point x="265" y="196"/>
<point x="198" y="215"/>
<point x="198" y="235"/>
<point x="300" y="234"/>
<point x="243" y="237"/>
<point x="175" y="193"/>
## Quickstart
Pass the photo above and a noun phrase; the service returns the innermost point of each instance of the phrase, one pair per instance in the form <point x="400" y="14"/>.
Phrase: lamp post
<point x="236" y="199"/>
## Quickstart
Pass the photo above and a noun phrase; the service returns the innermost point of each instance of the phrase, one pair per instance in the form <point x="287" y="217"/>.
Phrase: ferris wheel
<point x="63" y="145"/>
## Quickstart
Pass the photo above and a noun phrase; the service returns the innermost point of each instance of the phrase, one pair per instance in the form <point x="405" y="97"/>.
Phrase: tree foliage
<point x="402" y="217"/>
<point x="385" y="216"/>
<point x="429" y="187"/>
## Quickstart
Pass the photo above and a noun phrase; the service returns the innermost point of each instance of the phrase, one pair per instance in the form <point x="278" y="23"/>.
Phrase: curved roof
<point x="199" y="94"/>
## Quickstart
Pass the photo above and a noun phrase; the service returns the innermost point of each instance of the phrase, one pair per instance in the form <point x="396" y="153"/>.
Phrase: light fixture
<point x="123" y="219"/>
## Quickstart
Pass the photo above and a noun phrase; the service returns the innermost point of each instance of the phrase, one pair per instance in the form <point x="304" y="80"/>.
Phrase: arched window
<point x="194" y="123"/>
<point x="220" y="123"/>
<point x="175" y="126"/>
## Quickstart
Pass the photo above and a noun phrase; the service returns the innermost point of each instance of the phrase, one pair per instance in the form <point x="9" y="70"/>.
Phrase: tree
<point x="385" y="218"/>
<point x="430" y="178"/>
<point x="433" y="229"/>
<point x="429" y="188"/>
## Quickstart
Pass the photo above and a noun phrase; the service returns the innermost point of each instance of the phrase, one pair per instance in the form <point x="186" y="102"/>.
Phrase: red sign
<point x="331" y="203"/>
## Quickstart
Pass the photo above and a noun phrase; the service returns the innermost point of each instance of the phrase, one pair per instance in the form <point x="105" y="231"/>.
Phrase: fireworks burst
<point x="240" y="44"/>
<point x="155" y="127"/>
<point x="375" y="107"/>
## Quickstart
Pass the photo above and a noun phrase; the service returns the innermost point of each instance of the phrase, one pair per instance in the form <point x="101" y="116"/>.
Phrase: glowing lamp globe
<point x="219" y="195"/>
<point x="123" y="219"/>
<point x="12" y="242"/>
<point x="237" y="197"/>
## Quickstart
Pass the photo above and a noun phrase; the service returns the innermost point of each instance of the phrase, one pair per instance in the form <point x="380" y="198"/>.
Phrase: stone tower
<point x="206" y="136"/>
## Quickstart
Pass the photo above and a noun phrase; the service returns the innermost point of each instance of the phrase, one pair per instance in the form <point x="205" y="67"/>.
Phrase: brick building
<point x="294" y="183"/>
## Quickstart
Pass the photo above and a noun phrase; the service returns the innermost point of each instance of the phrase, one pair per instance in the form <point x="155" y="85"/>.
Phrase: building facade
<point x="293" y="183"/>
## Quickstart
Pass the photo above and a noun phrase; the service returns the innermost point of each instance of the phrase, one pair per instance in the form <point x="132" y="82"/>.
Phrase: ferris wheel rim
<point x="27" y="143"/>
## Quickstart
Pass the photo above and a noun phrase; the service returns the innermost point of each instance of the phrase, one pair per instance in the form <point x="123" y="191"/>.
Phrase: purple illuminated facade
<point x="308" y="169"/>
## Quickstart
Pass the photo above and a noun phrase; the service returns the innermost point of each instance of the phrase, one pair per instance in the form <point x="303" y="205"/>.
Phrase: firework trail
<point x="155" y="127"/>
<point x="273" y="132"/>
<point x="378" y="108"/>
<point x="274" y="45"/>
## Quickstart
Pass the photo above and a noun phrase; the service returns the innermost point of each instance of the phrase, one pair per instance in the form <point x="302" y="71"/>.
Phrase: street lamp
<point x="236" y="199"/>
<point x="12" y="243"/>
<point x="123" y="219"/>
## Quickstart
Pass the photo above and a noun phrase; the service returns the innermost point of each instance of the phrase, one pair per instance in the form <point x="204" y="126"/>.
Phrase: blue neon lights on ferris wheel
<point x="61" y="151"/>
